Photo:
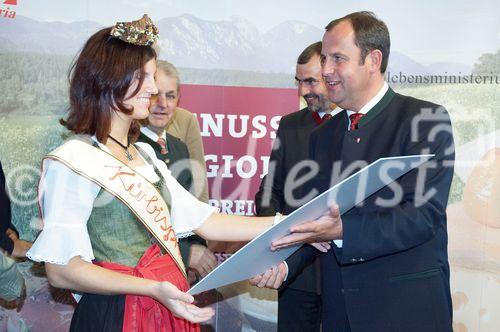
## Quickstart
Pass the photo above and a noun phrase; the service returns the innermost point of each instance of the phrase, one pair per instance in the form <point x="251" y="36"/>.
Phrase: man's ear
<point x="374" y="59"/>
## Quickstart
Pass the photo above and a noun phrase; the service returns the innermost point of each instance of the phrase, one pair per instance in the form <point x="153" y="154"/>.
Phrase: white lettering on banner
<point x="227" y="166"/>
<point x="208" y="121"/>
<point x="239" y="207"/>
<point x="275" y="122"/>
<point x="236" y="126"/>
<point x="232" y="125"/>
<point x="245" y="166"/>
<point x="240" y="170"/>
<point x="258" y="123"/>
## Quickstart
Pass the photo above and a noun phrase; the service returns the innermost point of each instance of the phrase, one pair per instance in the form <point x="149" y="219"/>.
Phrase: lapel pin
<point x="358" y="140"/>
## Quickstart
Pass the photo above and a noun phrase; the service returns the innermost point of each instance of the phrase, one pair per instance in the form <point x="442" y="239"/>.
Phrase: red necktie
<point x="355" y="117"/>
<point x="319" y="120"/>
<point x="163" y="145"/>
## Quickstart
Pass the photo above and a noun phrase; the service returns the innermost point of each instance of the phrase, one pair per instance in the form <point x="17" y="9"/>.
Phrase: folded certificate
<point x="256" y="257"/>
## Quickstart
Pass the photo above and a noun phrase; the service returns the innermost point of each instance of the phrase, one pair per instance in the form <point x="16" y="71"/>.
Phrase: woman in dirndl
<point x="112" y="212"/>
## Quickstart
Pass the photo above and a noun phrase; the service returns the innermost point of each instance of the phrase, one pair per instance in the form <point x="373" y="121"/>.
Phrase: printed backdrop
<point x="237" y="61"/>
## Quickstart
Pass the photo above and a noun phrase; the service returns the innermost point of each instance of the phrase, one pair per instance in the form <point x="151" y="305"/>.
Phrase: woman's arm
<point x="67" y="201"/>
<point x="233" y="228"/>
<point x="188" y="214"/>
<point x="82" y="276"/>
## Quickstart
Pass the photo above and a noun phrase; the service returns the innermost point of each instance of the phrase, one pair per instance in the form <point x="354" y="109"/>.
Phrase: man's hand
<point x="324" y="229"/>
<point x="321" y="246"/>
<point x="20" y="246"/>
<point x="272" y="278"/>
<point x="201" y="259"/>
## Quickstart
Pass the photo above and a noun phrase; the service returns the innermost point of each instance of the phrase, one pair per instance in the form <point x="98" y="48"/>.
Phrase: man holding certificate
<point x="388" y="268"/>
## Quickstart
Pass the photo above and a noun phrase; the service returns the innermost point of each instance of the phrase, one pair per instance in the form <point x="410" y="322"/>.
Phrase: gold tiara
<point x="141" y="32"/>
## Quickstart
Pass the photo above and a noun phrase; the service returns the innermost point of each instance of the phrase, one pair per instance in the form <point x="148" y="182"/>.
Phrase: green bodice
<point x="116" y="234"/>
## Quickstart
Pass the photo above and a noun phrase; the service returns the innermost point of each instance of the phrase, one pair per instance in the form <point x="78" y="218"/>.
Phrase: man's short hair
<point x="370" y="33"/>
<point x="169" y="70"/>
<point x="308" y="53"/>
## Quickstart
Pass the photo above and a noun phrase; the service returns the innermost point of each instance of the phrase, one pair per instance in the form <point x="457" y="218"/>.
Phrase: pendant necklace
<point x="125" y="147"/>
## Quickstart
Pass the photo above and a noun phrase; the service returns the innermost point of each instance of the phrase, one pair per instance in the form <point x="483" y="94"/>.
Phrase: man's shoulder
<point x="175" y="140"/>
<point x="338" y="121"/>
<point x="410" y="111"/>
<point x="412" y="104"/>
<point x="296" y="117"/>
<point x="183" y="124"/>
<point x="183" y="114"/>
<point x="177" y="145"/>
<point x="143" y="138"/>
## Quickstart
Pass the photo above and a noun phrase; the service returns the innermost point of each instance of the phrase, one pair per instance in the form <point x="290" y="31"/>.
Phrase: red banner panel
<point x="238" y="126"/>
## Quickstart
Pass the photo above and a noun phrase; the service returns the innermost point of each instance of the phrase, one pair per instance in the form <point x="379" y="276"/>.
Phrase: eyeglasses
<point x="169" y="96"/>
<point x="308" y="82"/>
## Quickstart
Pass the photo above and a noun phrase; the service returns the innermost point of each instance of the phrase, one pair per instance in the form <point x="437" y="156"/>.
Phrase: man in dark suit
<point x="388" y="269"/>
<point x="199" y="260"/>
<point x="299" y="302"/>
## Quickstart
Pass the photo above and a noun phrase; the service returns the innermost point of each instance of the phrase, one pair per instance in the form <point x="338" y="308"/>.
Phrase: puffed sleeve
<point x="66" y="201"/>
<point x="187" y="213"/>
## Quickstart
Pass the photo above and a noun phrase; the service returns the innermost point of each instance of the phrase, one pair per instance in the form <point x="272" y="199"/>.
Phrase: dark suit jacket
<point x="177" y="151"/>
<point x="392" y="273"/>
<point x="290" y="148"/>
<point x="5" y="215"/>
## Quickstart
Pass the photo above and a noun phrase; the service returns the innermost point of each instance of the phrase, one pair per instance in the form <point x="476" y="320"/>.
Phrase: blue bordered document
<point x="256" y="256"/>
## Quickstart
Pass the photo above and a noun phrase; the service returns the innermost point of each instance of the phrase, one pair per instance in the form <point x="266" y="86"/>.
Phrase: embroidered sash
<point x="138" y="194"/>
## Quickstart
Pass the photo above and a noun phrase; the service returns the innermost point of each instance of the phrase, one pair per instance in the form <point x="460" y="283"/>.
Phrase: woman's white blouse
<point x="67" y="200"/>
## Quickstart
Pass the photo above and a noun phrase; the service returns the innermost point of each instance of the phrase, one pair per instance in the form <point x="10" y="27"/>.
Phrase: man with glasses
<point x="299" y="303"/>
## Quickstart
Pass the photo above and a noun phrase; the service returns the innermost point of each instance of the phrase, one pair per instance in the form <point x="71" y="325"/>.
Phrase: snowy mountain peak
<point x="191" y="42"/>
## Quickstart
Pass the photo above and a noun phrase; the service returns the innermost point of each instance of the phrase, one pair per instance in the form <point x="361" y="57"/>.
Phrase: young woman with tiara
<point x="112" y="212"/>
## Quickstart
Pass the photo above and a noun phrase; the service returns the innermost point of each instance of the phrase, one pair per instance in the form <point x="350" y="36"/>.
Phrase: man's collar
<point x="374" y="101"/>
<point x="333" y="112"/>
<point x="152" y="135"/>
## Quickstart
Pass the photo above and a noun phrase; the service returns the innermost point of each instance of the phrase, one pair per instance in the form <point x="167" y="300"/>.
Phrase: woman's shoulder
<point x="71" y="152"/>
<point x="72" y="142"/>
<point x="146" y="148"/>
<point x="149" y="155"/>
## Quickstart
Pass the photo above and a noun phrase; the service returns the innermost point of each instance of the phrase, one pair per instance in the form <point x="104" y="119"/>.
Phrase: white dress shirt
<point x="152" y="135"/>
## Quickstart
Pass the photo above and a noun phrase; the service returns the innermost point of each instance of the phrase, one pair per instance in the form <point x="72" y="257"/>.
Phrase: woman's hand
<point x="180" y="303"/>
<point x="85" y="277"/>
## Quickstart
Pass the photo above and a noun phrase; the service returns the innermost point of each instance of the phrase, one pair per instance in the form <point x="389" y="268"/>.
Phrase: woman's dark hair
<point x="99" y="80"/>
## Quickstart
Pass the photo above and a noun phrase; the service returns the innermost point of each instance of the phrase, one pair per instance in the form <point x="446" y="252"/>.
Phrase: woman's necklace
<point x="125" y="147"/>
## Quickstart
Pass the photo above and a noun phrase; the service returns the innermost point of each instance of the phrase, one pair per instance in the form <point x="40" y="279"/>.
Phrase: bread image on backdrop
<point x="474" y="237"/>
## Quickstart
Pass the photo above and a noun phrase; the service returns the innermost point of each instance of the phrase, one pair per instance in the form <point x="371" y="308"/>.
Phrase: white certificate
<point x="256" y="256"/>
